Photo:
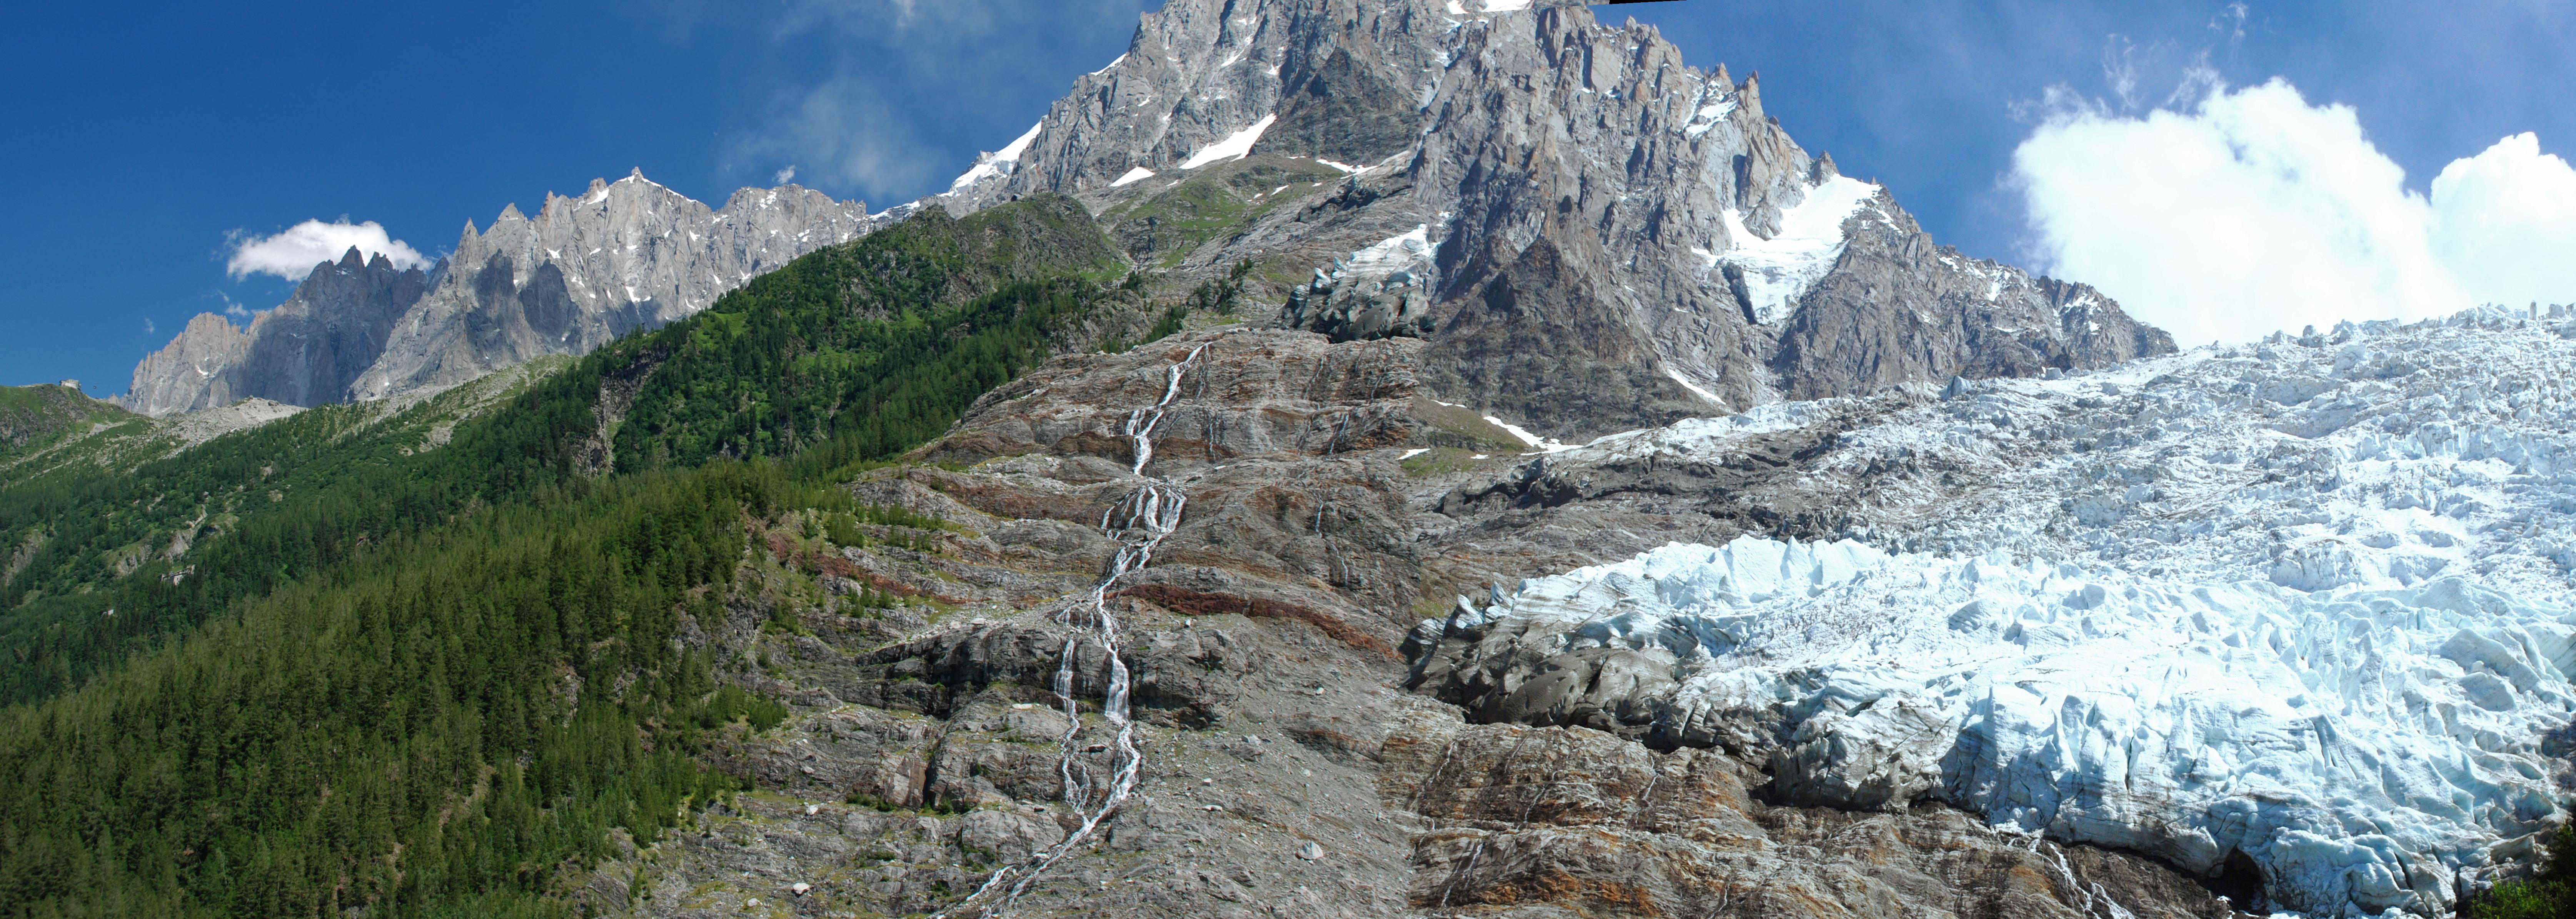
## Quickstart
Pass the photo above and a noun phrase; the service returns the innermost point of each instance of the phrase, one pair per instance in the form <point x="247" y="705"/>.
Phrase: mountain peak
<point x="1669" y="243"/>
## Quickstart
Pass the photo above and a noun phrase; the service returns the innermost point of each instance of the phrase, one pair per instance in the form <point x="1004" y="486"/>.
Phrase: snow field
<point x="1779" y="270"/>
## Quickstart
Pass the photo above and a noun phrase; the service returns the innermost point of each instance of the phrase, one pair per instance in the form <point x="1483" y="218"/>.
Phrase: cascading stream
<point x="1140" y="523"/>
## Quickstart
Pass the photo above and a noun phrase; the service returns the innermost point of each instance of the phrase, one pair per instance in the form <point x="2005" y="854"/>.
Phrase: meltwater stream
<point x="1139" y="523"/>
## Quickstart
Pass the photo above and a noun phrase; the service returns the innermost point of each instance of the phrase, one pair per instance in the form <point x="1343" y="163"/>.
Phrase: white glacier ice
<point x="2307" y="600"/>
<point x="1779" y="270"/>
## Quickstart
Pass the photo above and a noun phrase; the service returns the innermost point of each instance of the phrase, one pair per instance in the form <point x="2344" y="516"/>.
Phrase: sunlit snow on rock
<point x="1234" y="147"/>
<point x="1407" y="251"/>
<point x="999" y="163"/>
<point x="2307" y="600"/>
<point x="1779" y="270"/>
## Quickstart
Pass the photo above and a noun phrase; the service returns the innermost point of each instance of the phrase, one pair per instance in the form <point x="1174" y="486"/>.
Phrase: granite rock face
<point x="623" y="256"/>
<point x="1332" y="76"/>
<point x="305" y="352"/>
<point x="1601" y="236"/>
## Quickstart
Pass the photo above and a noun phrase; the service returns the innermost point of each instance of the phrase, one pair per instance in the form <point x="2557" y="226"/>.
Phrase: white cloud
<point x="293" y="253"/>
<point x="847" y="136"/>
<point x="2505" y="221"/>
<point x="2254" y="211"/>
<point x="783" y="176"/>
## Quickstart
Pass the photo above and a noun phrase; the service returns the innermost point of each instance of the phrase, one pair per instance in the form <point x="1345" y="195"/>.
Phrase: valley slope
<point x="1204" y="444"/>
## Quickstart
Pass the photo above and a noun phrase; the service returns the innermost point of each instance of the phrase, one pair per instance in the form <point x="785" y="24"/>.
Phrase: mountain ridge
<point x="1662" y="190"/>
<point x="621" y="256"/>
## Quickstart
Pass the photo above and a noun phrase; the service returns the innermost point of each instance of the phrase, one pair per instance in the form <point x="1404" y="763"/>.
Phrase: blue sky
<point x="143" y="137"/>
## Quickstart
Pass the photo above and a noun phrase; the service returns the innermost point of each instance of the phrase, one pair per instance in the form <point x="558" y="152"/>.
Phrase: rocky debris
<point x="906" y="772"/>
<point x="1286" y="770"/>
<point x="1255" y="394"/>
<point x="1531" y="821"/>
<point x="207" y="424"/>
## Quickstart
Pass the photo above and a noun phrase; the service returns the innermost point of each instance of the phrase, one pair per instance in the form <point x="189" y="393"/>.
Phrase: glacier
<point x="2303" y="603"/>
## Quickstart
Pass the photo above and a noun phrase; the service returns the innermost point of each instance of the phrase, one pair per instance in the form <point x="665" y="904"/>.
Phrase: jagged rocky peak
<point x="304" y="352"/>
<point x="623" y="255"/>
<point x="1593" y="235"/>
<point x="1317" y="77"/>
<point x="1671" y="250"/>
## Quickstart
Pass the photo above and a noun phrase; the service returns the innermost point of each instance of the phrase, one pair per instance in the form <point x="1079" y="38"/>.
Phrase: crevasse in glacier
<point x="2306" y="600"/>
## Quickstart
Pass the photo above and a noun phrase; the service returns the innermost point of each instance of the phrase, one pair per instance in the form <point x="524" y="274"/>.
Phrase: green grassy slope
<point x="1218" y="203"/>
<point x="35" y="417"/>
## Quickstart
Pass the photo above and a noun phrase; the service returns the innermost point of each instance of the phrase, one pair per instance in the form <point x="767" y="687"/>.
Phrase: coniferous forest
<point x="427" y="678"/>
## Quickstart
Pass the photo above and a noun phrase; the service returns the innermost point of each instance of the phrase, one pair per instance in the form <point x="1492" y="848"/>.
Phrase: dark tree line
<point x="422" y="683"/>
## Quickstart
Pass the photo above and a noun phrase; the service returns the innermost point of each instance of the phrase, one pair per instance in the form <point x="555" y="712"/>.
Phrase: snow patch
<point x="1536" y="443"/>
<point x="1234" y="147"/>
<point x="1694" y="387"/>
<point x="1001" y="162"/>
<point x="1133" y="176"/>
<point x="1709" y="116"/>
<point x="1779" y="270"/>
<point x="1411" y="249"/>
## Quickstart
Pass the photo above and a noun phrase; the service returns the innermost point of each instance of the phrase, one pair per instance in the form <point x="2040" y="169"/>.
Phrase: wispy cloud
<point x="2230" y="22"/>
<point x="783" y="176"/>
<point x="293" y="253"/>
<point x="871" y="96"/>
<point x="852" y="136"/>
<point x="2252" y="210"/>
